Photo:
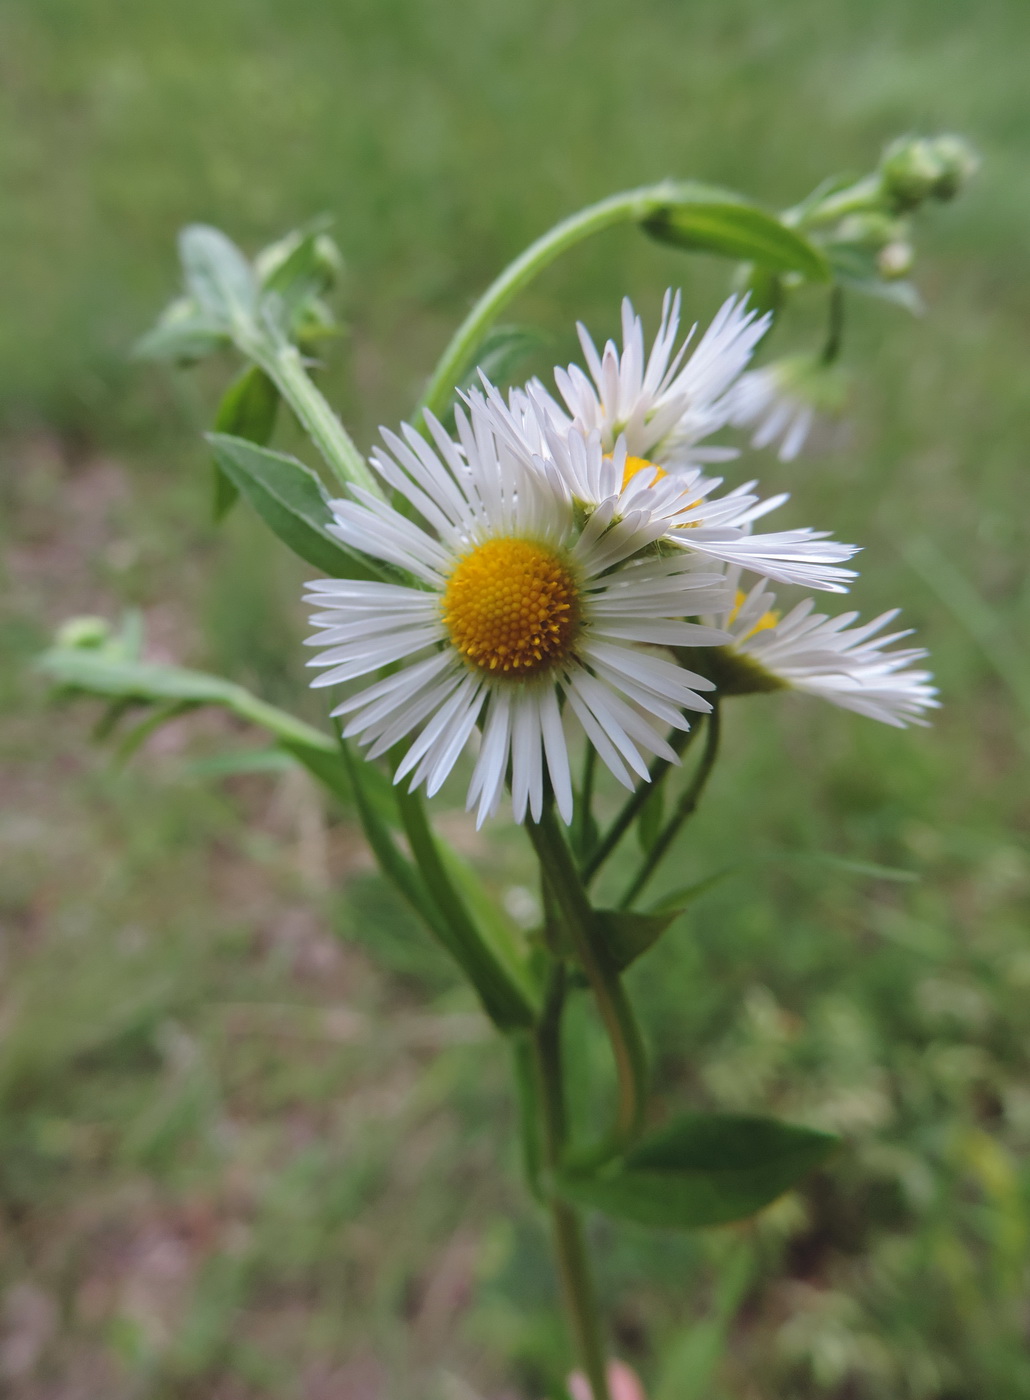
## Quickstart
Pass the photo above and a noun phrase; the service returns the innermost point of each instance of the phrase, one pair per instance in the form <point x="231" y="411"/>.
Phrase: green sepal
<point x="292" y="502"/>
<point x="247" y="410"/>
<point x="709" y="220"/>
<point x="702" y="1169"/>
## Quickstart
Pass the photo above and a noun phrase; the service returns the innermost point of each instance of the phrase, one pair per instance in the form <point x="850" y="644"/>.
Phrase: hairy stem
<point x="283" y="364"/>
<point x="632" y="206"/>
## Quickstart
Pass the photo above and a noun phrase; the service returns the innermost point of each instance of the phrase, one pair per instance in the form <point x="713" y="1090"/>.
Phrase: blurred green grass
<point x="250" y="1149"/>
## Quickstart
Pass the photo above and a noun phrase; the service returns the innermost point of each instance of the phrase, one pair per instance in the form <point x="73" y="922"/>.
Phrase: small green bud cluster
<point x="915" y="169"/>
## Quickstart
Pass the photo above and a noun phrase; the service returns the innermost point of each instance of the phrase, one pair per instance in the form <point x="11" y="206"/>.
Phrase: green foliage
<point x="703" y="1169"/>
<point x="713" y="221"/>
<point x="155" y="917"/>
<point x="248" y="410"/>
<point x="292" y="502"/>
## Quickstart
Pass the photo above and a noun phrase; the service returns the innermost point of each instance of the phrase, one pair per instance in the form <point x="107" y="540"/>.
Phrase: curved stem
<point x="567" y="1228"/>
<point x="632" y="206"/>
<point x="612" y="1004"/>
<point x="634" y="804"/>
<point x="684" y="809"/>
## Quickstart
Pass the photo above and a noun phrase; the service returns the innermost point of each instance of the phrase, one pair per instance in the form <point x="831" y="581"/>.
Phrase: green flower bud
<point x="914" y="169"/>
<point x="895" y="260"/>
<point x="84" y="633"/>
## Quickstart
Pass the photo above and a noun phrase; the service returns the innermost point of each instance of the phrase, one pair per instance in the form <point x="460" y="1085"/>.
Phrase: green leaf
<point x="702" y="1169"/>
<point x="626" y="935"/>
<point x="676" y="901"/>
<point x="707" y="220"/>
<point x="183" y="334"/>
<point x="296" y="271"/>
<point x="649" y="822"/>
<point x="292" y="502"/>
<point x="242" y="762"/>
<point x="248" y="410"/>
<point x="218" y="276"/>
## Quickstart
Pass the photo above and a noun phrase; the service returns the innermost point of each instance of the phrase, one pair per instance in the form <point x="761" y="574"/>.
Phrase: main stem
<point x="613" y="1005"/>
<point x="631" y="206"/>
<point x="283" y="364"/>
<point x="577" y="1283"/>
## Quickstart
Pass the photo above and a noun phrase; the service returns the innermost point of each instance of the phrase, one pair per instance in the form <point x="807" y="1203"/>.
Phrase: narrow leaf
<point x="248" y="410"/>
<point x="292" y="502"/>
<point x="730" y="226"/>
<point x="218" y="276"/>
<point x="183" y="334"/>
<point x="703" y="1169"/>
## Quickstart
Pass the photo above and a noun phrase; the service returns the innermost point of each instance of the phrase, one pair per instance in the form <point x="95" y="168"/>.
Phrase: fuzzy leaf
<point x="248" y="410"/>
<point x="292" y="502"/>
<point x="218" y="276"/>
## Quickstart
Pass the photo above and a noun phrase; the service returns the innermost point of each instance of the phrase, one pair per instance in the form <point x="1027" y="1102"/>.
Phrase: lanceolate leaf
<point x="702" y="1169"/>
<point x="714" y="221"/>
<point x="218" y="276"/>
<point x="292" y="502"/>
<point x="248" y="410"/>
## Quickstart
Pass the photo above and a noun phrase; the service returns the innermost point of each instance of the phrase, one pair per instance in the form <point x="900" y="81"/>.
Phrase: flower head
<point x="782" y="400"/>
<point x="692" y="517"/>
<point x="846" y="664"/>
<point x="525" y="612"/>
<point x="662" y="404"/>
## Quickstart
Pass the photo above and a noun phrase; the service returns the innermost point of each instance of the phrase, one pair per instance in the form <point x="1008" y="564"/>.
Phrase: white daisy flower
<point x="827" y="656"/>
<point x="525" y="612"/>
<point x="783" y="400"/>
<point x="662" y="406"/>
<point x="717" y="528"/>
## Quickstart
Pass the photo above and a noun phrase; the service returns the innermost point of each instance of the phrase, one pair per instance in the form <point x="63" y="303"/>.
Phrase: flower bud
<point x="895" y="260"/>
<point x="914" y="169"/>
<point x="84" y="633"/>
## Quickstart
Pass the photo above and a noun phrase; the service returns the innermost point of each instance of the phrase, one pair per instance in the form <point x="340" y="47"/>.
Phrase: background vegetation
<point x="254" y="1139"/>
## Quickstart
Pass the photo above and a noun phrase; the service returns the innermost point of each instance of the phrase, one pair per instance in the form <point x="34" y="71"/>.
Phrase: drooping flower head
<point x="782" y="401"/>
<point x="694" y="518"/>
<point x="663" y="403"/>
<point x="831" y="657"/>
<point x="525" y="612"/>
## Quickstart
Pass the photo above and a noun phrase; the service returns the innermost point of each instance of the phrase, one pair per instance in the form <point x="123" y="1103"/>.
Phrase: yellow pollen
<point x="767" y="621"/>
<point x="639" y="464"/>
<point x="512" y="608"/>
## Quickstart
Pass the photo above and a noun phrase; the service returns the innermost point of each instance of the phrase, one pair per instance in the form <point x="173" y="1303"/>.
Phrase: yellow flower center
<point x="512" y="607"/>
<point x="767" y="621"/>
<point x="639" y="464"/>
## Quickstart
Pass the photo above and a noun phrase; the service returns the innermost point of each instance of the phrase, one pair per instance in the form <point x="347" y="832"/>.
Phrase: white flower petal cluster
<point x="524" y="614"/>
<point x="663" y="405"/>
<point x="718" y="528"/>
<point x="557" y="551"/>
<point x="831" y="657"/>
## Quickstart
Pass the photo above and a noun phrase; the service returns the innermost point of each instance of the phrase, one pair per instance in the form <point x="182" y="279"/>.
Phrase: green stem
<point x="578" y="1291"/>
<point x="634" y="804"/>
<point x="612" y="1003"/>
<point x="283" y="364"/>
<point x="835" y="326"/>
<point x="583" y="829"/>
<point x="684" y="810"/>
<point x="631" y="206"/>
